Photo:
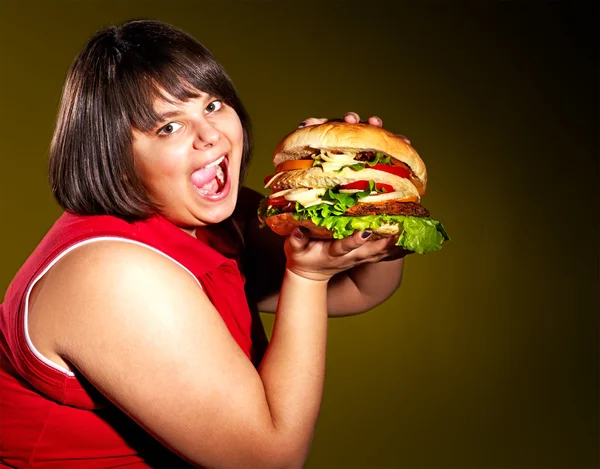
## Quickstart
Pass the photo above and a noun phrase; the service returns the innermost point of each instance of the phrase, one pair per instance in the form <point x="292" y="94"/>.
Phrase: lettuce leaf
<point x="422" y="234"/>
<point x="418" y="234"/>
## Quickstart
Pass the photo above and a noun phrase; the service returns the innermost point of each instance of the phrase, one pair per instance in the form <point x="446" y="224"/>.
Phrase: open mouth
<point x="212" y="179"/>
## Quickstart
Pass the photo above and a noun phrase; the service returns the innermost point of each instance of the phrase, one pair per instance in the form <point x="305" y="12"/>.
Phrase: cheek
<point x="156" y="163"/>
<point x="239" y="132"/>
<point x="233" y="126"/>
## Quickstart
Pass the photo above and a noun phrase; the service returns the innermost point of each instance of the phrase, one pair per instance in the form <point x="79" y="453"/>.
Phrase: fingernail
<point x="298" y="233"/>
<point x="302" y="124"/>
<point x="375" y="118"/>
<point x="365" y="234"/>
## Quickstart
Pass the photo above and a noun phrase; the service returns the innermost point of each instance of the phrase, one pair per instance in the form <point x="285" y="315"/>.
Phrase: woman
<point x="131" y="313"/>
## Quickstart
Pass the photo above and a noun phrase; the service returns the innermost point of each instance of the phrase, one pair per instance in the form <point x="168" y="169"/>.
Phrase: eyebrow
<point x="167" y="115"/>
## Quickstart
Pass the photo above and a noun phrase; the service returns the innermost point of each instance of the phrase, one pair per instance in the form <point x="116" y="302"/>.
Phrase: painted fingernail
<point x="302" y="124"/>
<point x="298" y="233"/>
<point x="365" y="234"/>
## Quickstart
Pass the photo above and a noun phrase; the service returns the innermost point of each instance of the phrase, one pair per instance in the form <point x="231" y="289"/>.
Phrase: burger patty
<point x="388" y="207"/>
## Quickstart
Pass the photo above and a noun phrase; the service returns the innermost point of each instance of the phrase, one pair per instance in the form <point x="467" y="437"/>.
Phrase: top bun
<point x="344" y="136"/>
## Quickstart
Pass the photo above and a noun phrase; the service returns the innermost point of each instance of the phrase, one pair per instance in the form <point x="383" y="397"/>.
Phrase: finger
<point x="376" y="121"/>
<point x="352" y="117"/>
<point x="297" y="241"/>
<point x="397" y="253"/>
<point x="344" y="246"/>
<point x="377" y="249"/>
<point x="403" y="138"/>
<point x="312" y="121"/>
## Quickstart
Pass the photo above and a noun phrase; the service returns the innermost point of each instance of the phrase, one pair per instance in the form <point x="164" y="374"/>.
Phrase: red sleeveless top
<point x="51" y="417"/>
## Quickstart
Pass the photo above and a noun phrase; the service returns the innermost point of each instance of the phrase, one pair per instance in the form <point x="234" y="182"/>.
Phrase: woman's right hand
<point x="316" y="259"/>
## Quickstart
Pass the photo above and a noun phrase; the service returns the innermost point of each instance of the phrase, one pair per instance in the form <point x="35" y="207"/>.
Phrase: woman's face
<point x="190" y="163"/>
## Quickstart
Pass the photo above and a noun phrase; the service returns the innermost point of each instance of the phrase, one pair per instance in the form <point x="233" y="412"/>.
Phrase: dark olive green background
<point x="487" y="357"/>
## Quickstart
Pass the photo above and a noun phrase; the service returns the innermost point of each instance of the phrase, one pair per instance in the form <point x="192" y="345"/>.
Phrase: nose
<point x="206" y="134"/>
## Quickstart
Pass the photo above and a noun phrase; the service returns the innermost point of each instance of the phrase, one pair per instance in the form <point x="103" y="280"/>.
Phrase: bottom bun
<point x="284" y="223"/>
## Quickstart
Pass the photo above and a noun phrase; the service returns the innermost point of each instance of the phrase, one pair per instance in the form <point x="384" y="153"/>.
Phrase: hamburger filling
<point x="344" y="207"/>
<point x="342" y="215"/>
<point x="339" y="201"/>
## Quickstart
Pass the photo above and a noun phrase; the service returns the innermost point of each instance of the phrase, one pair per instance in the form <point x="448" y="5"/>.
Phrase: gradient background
<point x="487" y="357"/>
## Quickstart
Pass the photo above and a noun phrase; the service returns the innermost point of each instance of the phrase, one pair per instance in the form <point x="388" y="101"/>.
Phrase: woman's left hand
<point x="350" y="117"/>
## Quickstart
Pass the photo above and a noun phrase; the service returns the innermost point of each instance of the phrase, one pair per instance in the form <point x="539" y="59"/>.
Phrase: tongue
<point x="204" y="179"/>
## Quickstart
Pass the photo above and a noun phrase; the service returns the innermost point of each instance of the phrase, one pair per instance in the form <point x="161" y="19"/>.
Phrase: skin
<point x="212" y="407"/>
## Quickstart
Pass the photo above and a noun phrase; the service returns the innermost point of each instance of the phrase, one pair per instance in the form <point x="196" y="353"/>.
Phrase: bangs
<point x="138" y="104"/>
<point x="174" y="71"/>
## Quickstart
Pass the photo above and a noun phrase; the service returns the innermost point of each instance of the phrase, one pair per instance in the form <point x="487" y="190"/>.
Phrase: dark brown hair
<point x="110" y="89"/>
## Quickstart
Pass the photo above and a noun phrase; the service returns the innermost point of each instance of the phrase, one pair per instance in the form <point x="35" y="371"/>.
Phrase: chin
<point x="216" y="215"/>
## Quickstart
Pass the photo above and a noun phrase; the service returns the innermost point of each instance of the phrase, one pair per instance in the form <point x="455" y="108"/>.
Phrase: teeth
<point x="220" y="175"/>
<point x="214" y="163"/>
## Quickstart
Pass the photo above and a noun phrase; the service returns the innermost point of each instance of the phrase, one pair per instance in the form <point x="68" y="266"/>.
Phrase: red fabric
<point x="49" y="419"/>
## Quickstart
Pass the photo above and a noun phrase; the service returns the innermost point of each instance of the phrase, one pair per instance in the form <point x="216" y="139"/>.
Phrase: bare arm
<point x="364" y="287"/>
<point x="139" y="328"/>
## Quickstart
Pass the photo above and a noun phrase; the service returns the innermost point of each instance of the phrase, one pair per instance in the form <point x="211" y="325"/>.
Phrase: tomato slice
<point x="364" y="185"/>
<point x="294" y="164"/>
<point x="278" y="202"/>
<point x="395" y="170"/>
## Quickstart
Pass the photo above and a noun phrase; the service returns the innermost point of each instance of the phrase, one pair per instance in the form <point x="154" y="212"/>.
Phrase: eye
<point x="214" y="106"/>
<point x="169" y="129"/>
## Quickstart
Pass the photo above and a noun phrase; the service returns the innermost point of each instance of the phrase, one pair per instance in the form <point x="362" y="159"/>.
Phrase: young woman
<point x="127" y="338"/>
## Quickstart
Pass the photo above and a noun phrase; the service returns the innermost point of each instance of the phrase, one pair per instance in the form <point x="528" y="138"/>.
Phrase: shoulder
<point x="95" y="286"/>
<point x="102" y="261"/>
<point x="90" y="291"/>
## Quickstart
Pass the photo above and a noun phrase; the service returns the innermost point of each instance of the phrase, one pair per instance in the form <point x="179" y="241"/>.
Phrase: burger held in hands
<point x="336" y="178"/>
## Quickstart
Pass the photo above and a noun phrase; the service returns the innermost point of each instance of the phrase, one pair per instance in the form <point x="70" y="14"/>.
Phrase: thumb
<point x="298" y="240"/>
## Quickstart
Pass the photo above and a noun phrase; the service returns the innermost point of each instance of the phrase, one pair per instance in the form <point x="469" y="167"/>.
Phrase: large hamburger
<point x="336" y="178"/>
